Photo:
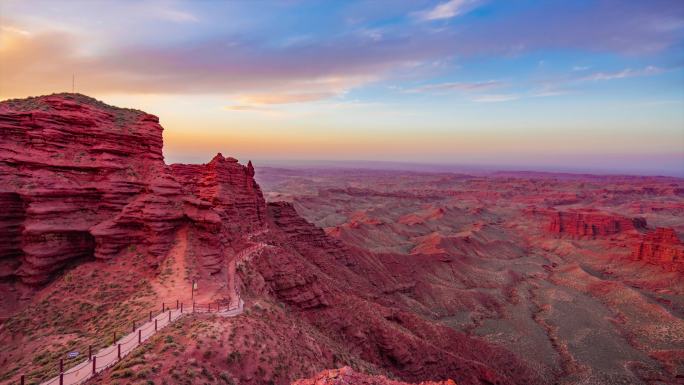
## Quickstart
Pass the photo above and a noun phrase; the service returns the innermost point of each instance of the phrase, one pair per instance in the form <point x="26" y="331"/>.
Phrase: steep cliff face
<point x="302" y="233"/>
<point x="68" y="163"/>
<point x="11" y="218"/>
<point x="82" y="179"/>
<point x="661" y="247"/>
<point x="592" y="224"/>
<point x="229" y="187"/>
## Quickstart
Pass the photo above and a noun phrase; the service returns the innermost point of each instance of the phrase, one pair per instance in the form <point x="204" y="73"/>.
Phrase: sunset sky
<point x="552" y="85"/>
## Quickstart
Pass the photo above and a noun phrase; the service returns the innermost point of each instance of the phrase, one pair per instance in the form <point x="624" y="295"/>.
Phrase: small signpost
<point x="72" y="355"/>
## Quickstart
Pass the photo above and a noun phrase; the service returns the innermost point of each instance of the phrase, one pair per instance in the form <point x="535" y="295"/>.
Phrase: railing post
<point x="23" y="380"/>
<point x="114" y="338"/>
<point x="193" y="306"/>
<point x="118" y="347"/>
<point x="181" y="307"/>
<point x="150" y="315"/>
<point x="61" y="365"/>
<point x="169" y="316"/>
<point x="133" y="326"/>
<point x="94" y="364"/>
<point x="155" y="324"/>
<point x="139" y="336"/>
<point x="90" y="352"/>
<point x="177" y="304"/>
<point x="61" y="379"/>
<point x="162" y="307"/>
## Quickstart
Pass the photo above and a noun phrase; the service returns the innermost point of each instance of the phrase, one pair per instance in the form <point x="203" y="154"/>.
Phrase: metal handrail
<point x="129" y="343"/>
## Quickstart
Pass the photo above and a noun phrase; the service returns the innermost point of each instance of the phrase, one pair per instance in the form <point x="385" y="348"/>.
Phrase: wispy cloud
<point x="176" y="16"/>
<point x="548" y="93"/>
<point x="580" y="68"/>
<point x="625" y="73"/>
<point x="223" y="65"/>
<point x="14" y="30"/>
<point x="240" y="107"/>
<point x="217" y="60"/>
<point x="446" y="10"/>
<point x="456" y="86"/>
<point x="285" y="98"/>
<point x="261" y="102"/>
<point x="496" y="98"/>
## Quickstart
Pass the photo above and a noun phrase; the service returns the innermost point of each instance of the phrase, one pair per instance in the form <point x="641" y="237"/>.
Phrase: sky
<point x="582" y="85"/>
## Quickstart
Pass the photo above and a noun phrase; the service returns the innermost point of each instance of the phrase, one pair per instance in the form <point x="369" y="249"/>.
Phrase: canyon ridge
<point x="347" y="276"/>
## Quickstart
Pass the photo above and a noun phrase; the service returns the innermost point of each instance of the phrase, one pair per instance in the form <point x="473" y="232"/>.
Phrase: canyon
<point x="579" y="276"/>
<point x="348" y="276"/>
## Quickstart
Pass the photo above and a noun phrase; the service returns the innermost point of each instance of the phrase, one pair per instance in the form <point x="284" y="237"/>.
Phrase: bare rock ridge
<point x="81" y="179"/>
<point x="591" y="224"/>
<point x="661" y="247"/>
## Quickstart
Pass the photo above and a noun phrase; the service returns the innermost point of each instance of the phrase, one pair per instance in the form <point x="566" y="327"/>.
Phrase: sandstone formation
<point x="84" y="180"/>
<point x="661" y="247"/>
<point x="303" y="233"/>
<point x="347" y="376"/>
<point x="419" y="276"/>
<point x="592" y="224"/>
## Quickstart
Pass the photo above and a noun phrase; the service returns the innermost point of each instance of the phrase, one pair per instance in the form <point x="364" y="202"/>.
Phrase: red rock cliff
<point x="661" y="247"/>
<point x="592" y="224"/>
<point x="81" y="179"/>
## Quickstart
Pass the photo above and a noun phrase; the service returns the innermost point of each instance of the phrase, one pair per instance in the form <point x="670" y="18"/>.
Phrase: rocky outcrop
<point x="347" y="376"/>
<point x="592" y="224"/>
<point x="71" y="162"/>
<point x="230" y="188"/>
<point x="291" y="280"/>
<point x="304" y="234"/>
<point x="661" y="247"/>
<point x="82" y="180"/>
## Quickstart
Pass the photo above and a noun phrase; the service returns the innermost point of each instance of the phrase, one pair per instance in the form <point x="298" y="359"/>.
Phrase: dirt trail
<point x="172" y="283"/>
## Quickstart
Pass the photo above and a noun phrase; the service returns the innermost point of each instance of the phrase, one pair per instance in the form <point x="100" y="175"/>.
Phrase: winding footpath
<point x="114" y="353"/>
<point x="111" y="355"/>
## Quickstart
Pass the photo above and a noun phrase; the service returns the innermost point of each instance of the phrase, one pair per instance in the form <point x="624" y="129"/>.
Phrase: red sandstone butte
<point x="80" y="179"/>
<point x="661" y="247"/>
<point x="347" y="376"/>
<point x="592" y="224"/>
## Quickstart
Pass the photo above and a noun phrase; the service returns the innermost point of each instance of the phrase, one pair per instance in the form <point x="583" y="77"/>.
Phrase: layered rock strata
<point x="661" y="247"/>
<point x="592" y="224"/>
<point x="82" y="180"/>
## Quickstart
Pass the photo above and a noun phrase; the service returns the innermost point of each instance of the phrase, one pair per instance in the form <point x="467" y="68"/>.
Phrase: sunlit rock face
<point x="661" y="247"/>
<point x="592" y="224"/>
<point x="80" y="179"/>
